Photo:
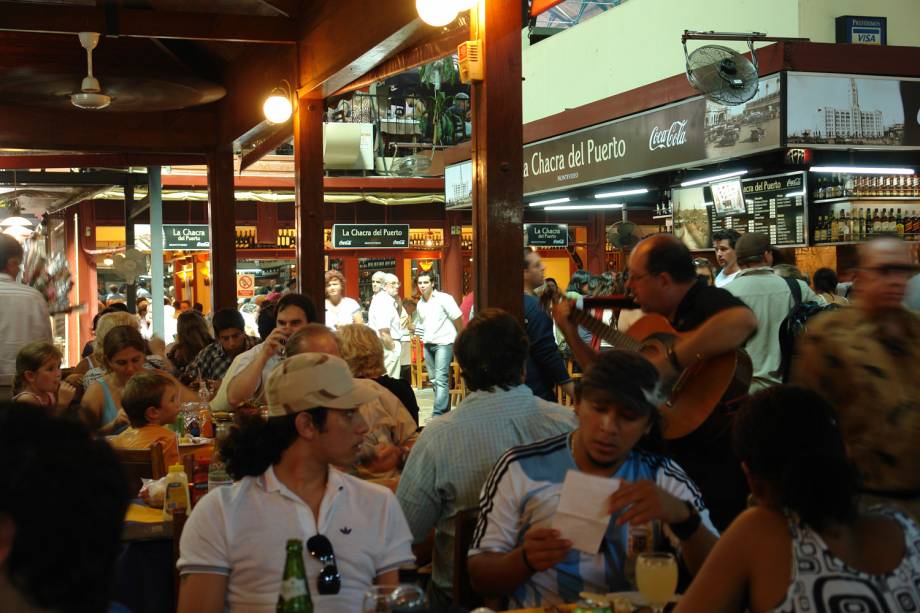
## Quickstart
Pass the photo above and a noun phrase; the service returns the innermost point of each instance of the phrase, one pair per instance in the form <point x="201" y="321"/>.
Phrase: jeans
<point x="437" y="361"/>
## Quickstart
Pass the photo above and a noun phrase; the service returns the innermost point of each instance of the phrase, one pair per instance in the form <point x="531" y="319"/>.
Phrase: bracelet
<point x="683" y="530"/>
<point x="527" y="562"/>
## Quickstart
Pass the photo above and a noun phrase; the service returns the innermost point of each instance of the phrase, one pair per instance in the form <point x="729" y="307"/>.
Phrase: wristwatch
<point x="683" y="530"/>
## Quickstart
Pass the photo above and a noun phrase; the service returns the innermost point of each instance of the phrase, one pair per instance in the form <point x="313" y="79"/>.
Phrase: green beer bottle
<point x="295" y="593"/>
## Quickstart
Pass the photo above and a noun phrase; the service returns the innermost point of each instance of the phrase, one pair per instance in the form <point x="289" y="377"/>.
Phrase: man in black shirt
<point x="663" y="280"/>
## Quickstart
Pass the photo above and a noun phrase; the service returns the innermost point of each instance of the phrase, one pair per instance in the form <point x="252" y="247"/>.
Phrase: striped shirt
<point x="454" y="454"/>
<point x="523" y="491"/>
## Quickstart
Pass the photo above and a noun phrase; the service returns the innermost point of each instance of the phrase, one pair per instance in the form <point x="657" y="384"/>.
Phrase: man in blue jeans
<point x="439" y="316"/>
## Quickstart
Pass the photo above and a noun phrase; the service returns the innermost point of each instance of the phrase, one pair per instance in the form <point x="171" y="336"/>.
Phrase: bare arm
<point x="724" y="331"/>
<point x="202" y="593"/>
<point x="584" y="354"/>
<point x="496" y="574"/>
<point x="391" y="577"/>
<point x="246" y="382"/>
<point x="386" y="338"/>
<point x="357" y="318"/>
<point x="458" y="324"/>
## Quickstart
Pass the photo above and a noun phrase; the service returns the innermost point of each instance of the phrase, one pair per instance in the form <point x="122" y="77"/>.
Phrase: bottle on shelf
<point x="835" y="228"/>
<point x="876" y="222"/>
<point x="890" y="225"/>
<point x="899" y="224"/>
<point x="849" y="188"/>
<point x="844" y="227"/>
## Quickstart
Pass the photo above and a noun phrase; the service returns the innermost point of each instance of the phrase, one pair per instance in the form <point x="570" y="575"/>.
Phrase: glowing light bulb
<point x="277" y="108"/>
<point x="436" y="12"/>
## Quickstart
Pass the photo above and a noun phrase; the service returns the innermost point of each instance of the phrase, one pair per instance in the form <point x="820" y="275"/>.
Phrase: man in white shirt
<point x="233" y="548"/>
<point x="440" y="317"/>
<point x="24" y="317"/>
<point x="724" y="243"/>
<point x="383" y="318"/>
<point x="770" y="297"/>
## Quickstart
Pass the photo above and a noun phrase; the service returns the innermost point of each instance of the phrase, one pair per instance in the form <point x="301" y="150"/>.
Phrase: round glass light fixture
<point x="464" y="5"/>
<point x="18" y="232"/>
<point x="16" y="220"/>
<point x="436" y="12"/>
<point x="277" y="107"/>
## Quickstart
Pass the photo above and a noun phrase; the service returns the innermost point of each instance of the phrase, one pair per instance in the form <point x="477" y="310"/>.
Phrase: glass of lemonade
<point x="656" y="575"/>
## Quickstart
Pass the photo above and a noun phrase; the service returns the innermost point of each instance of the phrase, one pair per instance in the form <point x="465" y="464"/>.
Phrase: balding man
<point x="391" y="429"/>
<point x="663" y="280"/>
<point x="864" y="359"/>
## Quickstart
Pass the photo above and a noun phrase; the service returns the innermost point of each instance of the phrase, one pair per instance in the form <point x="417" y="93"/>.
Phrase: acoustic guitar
<point x="698" y="389"/>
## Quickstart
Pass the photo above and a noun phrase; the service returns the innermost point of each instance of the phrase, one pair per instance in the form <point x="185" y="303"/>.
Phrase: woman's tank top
<point x="823" y="582"/>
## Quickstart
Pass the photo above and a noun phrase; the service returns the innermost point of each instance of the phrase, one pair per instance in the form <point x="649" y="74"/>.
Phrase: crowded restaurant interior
<point x="446" y="306"/>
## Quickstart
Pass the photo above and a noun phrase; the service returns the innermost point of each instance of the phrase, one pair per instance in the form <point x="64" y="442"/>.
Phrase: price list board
<point x="775" y="207"/>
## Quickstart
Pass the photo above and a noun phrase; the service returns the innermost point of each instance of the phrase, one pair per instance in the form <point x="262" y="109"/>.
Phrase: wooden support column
<point x="452" y="260"/>
<point x="498" y="210"/>
<point x="129" y="243"/>
<point x="222" y="224"/>
<point x="597" y="243"/>
<point x="308" y="189"/>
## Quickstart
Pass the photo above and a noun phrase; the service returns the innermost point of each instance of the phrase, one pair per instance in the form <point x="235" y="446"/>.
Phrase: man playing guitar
<point x="663" y="281"/>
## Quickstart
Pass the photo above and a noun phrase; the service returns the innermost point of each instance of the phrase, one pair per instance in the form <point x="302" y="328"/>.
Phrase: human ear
<point x="152" y="415"/>
<point x="305" y="426"/>
<point x="29" y="376"/>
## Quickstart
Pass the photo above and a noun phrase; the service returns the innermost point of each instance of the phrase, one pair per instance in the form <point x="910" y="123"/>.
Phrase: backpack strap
<point x="795" y="288"/>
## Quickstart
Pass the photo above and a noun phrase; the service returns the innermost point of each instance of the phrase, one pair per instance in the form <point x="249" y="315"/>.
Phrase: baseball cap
<point x="312" y="380"/>
<point x="751" y="247"/>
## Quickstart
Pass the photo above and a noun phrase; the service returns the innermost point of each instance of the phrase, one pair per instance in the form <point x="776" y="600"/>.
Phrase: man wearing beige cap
<point x="770" y="297"/>
<point x="233" y="549"/>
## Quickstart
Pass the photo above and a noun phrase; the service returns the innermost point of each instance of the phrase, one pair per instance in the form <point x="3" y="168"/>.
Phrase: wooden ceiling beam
<point x="185" y="131"/>
<point x="280" y="134"/>
<point x="341" y="41"/>
<point x="142" y="23"/>
<point x="97" y="160"/>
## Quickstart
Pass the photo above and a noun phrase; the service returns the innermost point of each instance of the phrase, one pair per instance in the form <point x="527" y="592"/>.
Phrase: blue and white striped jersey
<point x="523" y="490"/>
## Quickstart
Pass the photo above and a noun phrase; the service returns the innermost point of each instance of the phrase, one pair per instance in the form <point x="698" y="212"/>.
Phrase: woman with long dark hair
<point x="192" y="335"/>
<point x="806" y="546"/>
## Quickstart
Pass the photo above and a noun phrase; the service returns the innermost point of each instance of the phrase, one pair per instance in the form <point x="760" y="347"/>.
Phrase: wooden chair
<point x="457" y="390"/>
<point x="418" y="372"/>
<point x="141" y="463"/>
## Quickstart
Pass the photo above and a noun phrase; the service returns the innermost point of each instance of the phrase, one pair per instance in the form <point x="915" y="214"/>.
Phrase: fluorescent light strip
<point x="795" y="194"/>
<point x="628" y="192"/>
<point x="863" y="170"/>
<point x="584" y="207"/>
<point x="727" y="175"/>
<point x="553" y="201"/>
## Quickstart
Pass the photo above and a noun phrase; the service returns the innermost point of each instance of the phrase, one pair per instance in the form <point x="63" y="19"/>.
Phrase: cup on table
<point x="656" y="576"/>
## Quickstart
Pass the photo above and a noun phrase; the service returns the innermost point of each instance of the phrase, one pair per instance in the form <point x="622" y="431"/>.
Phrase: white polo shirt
<point x="436" y="315"/>
<point x="242" y="531"/>
<point x="384" y="314"/>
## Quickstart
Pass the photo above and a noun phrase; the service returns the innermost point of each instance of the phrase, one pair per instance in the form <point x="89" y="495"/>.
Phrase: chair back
<point x="140" y="464"/>
<point x="464" y="526"/>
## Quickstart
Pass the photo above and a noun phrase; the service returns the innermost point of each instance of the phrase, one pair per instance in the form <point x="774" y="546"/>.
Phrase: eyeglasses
<point x="900" y="270"/>
<point x="328" y="582"/>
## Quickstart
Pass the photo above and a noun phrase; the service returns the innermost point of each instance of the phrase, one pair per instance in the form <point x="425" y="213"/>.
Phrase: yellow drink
<point x="656" y="576"/>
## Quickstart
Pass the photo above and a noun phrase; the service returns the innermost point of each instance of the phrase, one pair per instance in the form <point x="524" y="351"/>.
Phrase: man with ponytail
<point x="233" y="546"/>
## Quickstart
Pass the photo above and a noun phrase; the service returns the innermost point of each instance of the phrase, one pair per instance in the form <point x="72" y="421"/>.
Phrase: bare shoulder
<point x="760" y="525"/>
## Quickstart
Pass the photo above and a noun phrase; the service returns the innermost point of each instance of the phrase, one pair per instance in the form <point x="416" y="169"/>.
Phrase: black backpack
<point x="796" y="323"/>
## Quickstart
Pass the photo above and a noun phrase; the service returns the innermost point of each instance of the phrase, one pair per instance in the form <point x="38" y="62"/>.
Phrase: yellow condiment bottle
<point x="176" y="497"/>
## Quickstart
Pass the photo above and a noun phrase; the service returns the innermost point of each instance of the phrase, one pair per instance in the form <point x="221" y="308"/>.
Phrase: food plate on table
<point x="194" y="441"/>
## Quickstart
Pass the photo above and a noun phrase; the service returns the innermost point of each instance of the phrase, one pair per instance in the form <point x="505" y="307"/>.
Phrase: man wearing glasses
<point x="864" y="359"/>
<point x="233" y="546"/>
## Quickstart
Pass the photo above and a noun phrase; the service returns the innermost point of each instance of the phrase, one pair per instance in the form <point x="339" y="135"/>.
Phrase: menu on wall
<point x="774" y="205"/>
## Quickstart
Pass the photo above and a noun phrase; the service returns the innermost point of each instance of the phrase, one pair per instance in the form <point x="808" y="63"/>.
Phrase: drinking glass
<point x="656" y="575"/>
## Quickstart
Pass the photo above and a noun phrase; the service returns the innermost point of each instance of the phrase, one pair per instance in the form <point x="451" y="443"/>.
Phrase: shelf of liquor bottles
<point x="850" y="186"/>
<point x="857" y="224"/>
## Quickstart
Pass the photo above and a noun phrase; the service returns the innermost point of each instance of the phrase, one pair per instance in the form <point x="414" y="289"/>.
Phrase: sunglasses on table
<point x="328" y="582"/>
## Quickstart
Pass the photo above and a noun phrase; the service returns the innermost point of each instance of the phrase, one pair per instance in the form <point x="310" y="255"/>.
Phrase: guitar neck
<point x="609" y="334"/>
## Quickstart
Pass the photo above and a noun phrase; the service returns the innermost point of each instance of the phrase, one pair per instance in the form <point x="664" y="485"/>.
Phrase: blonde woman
<point x="391" y="427"/>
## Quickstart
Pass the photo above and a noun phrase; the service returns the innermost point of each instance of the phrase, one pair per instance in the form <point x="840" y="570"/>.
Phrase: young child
<point x="38" y="377"/>
<point x="151" y="401"/>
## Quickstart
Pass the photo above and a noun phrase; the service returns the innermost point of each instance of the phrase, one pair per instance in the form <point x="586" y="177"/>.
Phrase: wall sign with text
<point x="862" y="30"/>
<point x="546" y="234"/>
<point x="370" y="236"/>
<point x="690" y="131"/>
<point x="186" y="237"/>
<point x="774" y="205"/>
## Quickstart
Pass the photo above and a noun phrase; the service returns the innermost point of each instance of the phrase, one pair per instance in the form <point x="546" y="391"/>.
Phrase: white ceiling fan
<point x="90" y="95"/>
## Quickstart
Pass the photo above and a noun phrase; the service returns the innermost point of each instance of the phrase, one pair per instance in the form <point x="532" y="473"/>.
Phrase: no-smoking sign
<point x="245" y="286"/>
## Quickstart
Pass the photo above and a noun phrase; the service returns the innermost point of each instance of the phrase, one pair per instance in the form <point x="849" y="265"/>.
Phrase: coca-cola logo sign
<point x="674" y="136"/>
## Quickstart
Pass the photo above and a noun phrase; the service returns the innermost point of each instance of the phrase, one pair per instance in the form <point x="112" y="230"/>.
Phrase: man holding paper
<point x="555" y="515"/>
